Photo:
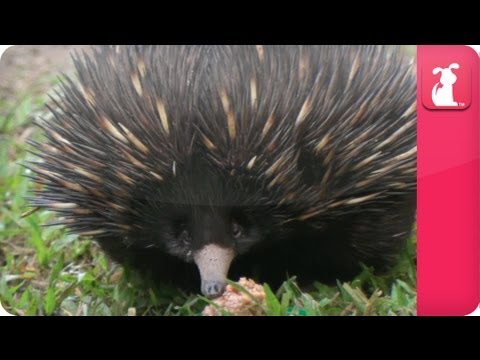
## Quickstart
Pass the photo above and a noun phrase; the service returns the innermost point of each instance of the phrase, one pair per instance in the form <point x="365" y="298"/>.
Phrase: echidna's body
<point x="296" y="160"/>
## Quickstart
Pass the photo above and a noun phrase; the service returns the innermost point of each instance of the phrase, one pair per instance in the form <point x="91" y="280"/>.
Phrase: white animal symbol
<point x="443" y="95"/>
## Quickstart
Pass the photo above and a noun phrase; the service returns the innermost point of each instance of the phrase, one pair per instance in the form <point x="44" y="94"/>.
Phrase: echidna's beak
<point x="213" y="261"/>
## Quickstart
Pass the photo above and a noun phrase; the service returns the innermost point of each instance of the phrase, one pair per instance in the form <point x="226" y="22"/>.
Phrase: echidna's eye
<point x="182" y="232"/>
<point x="185" y="237"/>
<point x="237" y="230"/>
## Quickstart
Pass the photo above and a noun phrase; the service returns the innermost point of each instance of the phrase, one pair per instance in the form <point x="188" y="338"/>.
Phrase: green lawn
<point x="45" y="271"/>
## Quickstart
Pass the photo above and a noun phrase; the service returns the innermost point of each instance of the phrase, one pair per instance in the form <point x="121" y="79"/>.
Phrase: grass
<point x="45" y="271"/>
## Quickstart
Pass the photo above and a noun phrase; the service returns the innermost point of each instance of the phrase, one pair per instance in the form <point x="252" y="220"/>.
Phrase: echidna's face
<point x="200" y="215"/>
<point x="204" y="215"/>
<point x="211" y="236"/>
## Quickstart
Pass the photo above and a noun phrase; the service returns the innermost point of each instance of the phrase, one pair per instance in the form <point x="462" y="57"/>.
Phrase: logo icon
<point x="446" y="84"/>
<point x="442" y="92"/>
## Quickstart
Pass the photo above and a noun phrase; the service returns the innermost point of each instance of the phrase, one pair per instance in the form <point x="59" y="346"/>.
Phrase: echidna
<point x="202" y="162"/>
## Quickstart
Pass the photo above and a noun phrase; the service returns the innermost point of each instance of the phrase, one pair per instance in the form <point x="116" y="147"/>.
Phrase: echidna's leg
<point x="159" y="267"/>
<point x="374" y="235"/>
<point x="380" y="231"/>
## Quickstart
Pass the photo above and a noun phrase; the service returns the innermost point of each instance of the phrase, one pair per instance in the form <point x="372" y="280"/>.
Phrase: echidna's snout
<point x="213" y="262"/>
<point x="213" y="288"/>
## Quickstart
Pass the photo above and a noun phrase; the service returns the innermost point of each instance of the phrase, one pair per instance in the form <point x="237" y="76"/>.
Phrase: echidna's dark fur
<point x="311" y="149"/>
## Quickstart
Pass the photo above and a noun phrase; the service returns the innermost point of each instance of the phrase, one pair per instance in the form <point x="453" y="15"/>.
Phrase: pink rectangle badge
<point x="448" y="180"/>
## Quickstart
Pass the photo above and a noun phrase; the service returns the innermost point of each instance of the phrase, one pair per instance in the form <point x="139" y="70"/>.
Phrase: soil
<point x="31" y="68"/>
